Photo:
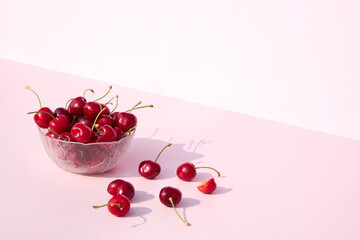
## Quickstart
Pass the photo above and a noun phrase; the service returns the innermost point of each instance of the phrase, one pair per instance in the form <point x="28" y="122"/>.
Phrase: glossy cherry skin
<point x="106" y="111"/>
<point x="122" y="187"/>
<point x="91" y="110"/>
<point x="66" y="136"/>
<point x="105" y="120"/>
<point x="166" y="193"/>
<point x="106" y="134"/>
<point x="63" y="111"/>
<point x="51" y="134"/>
<point x="125" y="121"/>
<point x="86" y="121"/>
<point x="119" y="205"/>
<point x="82" y="133"/>
<point x="60" y="124"/>
<point x="207" y="186"/>
<point x="149" y="169"/>
<point x="186" y="171"/>
<point x="119" y="133"/>
<point x="43" y="117"/>
<point x="76" y="106"/>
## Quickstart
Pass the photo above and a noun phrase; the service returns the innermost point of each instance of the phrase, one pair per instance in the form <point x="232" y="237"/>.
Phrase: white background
<point x="295" y="62"/>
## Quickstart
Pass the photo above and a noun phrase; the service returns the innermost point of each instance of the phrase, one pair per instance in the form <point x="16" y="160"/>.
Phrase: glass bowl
<point x="90" y="158"/>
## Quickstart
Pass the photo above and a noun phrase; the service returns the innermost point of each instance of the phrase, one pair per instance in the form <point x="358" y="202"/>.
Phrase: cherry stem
<point x="128" y="132"/>
<point x="110" y="87"/>
<point x="28" y="88"/>
<point x="88" y="90"/>
<point x="49" y="129"/>
<point x="42" y="112"/>
<point x="109" y="102"/>
<point x="92" y="128"/>
<point x="129" y="110"/>
<point x="97" y="128"/>
<point x="117" y="101"/>
<point x="171" y="201"/>
<point x="68" y="102"/>
<point x="162" y="151"/>
<point x="117" y="204"/>
<point x="218" y="173"/>
<point x="134" y="108"/>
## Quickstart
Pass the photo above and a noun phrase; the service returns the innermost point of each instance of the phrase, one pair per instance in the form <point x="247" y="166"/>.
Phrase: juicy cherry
<point x="106" y="134"/>
<point x="187" y="171"/>
<point x="60" y="124"/>
<point x="207" y="186"/>
<point x="150" y="169"/>
<point x="170" y="197"/>
<point x="92" y="109"/>
<point x="76" y="106"/>
<point x="125" y="121"/>
<point x="43" y="117"/>
<point x="122" y="187"/>
<point x="118" y="205"/>
<point x="82" y="133"/>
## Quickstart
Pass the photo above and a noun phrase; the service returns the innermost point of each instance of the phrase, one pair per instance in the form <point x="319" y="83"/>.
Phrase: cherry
<point x="106" y="134"/>
<point x="118" y="205"/>
<point x="63" y="111"/>
<point x="76" y="106"/>
<point x="82" y="133"/>
<point x="60" y="124"/>
<point x="125" y="121"/>
<point x="119" y="133"/>
<point x="86" y="121"/>
<point x="150" y="169"/>
<point x="170" y="197"/>
<point x="43" y="117"/>
<point x="105" y="120"/>
<point x="66" y="136"/>
<point x="92" y="109"/>
<point x="207" y="186"/>
<point x="51" y="134"/>
<point x="122" y="187"/>
<point x="187" y="171"/>
<point x="107" y="110"/>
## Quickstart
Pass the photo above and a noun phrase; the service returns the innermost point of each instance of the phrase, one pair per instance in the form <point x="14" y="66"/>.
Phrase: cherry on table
<point x="187" y="171"/>
<point x="118" y="205"/>
<point x="170" y="197"/>
<point x="207" y="186"/>
<point x="122" y="187"/>
<point x="150" y="169"/>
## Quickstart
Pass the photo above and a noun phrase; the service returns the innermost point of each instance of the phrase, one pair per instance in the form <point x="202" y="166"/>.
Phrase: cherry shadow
<point x="147" y="149"/>
<point x="187" y="203"/>
<point x="142" y="196"/>
<point x="221" y="190"/>
<point x="139" y="212"/>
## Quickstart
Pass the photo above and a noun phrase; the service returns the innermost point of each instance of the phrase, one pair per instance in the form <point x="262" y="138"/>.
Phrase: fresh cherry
<point x="82" y="133"/>
<point x="150" y="169"/>
<point x="51" y="134"/>
<point x="107" y="110"/>
<point x="76" y="106"/>
<point x="106" y="134"/>
<point x="105" y="120"/>
<point x="118" y="205"/>
<point x="170" y="197"/>
<point x="86" y="121"/>
<point x="60" y="124"/>
<point x="66" y="136"/>
<point x="207" y="186"/>
<point x="63" y="111"/>
<point x="187" y="171"/>
<point x="119" y="133"/>
<point x="122" y="187"/>
<point x="125" y="121"/>
<point x="92" y="109"/>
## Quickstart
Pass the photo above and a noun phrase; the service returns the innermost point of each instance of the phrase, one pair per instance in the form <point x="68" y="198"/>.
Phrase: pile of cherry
<point x="123" y="191"/>
<point x="86" y="122"/>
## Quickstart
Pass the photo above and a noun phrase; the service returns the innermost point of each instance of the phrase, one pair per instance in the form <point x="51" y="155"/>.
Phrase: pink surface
<point x="278" y="181"/>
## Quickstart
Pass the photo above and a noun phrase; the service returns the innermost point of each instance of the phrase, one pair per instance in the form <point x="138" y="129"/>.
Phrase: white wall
<point x="295" y="62"/>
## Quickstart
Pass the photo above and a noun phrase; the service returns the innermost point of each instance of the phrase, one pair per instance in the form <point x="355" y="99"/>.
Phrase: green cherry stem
<point x="68" y="102"/>
<point x="134" y="108"/>
<point x="171" y="201"/>
<point x="100" y="206"/>
<point x="28" y="88"/>
<point x="92" y="128"/>
<point x="128" y="132"/>
<point x="41" y="112"/>
<point x="88" y="90"/>
<point x="218" y="173"/>
<point x="110" y="87"/>
<point x="109" y="102"/>
<point x="168" y="145"/>
<point x="116" y="104"/>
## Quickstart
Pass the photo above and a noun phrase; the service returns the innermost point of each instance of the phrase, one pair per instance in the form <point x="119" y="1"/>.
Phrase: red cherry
<point x="60" y="124"/>
<point x="187" y="171"/>
<point x="119" y="133"/>
<point x="51" y="134"/>
<point x="170" y="197"/>
<point x="86" y="121"/>
<point x="106" y="134"/>
<point x="63" y="111"/>
<point x="107" y="110"/>
<point x="105" y="120"/>
<point x="122" y="187"/>
<point x="150" y="169"/>
<point x="43" y="117"/>
<point x="125" y="121"/>
<point x="82" y="133"/>
<point x="207" y="186"/>
<point x="66" y="136"/>
<point x="76" y="106"/>
<point x="118" y="205"/>
<point x="91" y="110"/>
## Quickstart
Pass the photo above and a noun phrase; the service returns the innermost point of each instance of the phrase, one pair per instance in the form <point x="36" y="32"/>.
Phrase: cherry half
<point x="118" y="205"/>
<point x="207" y="186"/>
<point x="150" y="169"/>
<point x="187" y="171"/>
<point x="121" y="187"/>
<point x="170" y="197"/>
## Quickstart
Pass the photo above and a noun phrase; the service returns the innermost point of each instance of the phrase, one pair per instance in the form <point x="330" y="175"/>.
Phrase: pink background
<point x="278" y="181"/>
